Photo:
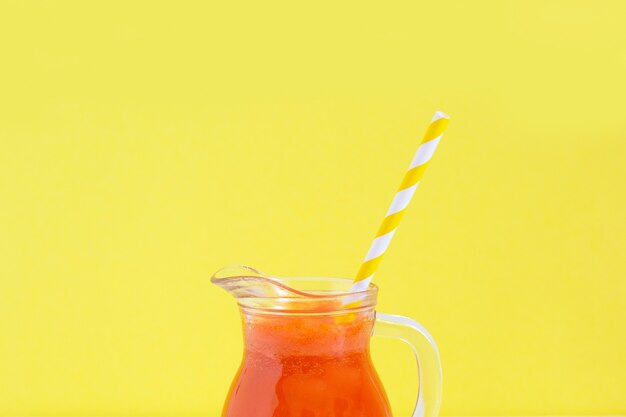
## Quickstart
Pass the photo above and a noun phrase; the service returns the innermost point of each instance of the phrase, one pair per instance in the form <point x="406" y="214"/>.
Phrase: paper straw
<point x="401" y="201"/>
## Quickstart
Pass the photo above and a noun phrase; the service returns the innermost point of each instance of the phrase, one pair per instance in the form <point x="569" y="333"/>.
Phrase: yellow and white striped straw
<point x="401" y="201"/>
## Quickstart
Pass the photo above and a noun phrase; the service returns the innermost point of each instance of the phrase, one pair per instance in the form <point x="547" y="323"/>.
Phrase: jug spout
<point x="245" y="282"/>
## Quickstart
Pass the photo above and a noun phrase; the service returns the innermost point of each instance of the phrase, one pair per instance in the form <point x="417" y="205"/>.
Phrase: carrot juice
<point x="311" y="365"/>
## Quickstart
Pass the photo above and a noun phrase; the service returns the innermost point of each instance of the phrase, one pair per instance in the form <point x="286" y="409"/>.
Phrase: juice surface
<point x="307" y="366"/>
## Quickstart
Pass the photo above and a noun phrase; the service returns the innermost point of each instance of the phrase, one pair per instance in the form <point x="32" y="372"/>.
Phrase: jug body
<point x="307" y="349"/>
<point x="307" y="364"/>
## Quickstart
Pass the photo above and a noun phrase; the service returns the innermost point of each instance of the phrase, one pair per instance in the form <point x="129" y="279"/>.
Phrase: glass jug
<point x="306" y="349"/>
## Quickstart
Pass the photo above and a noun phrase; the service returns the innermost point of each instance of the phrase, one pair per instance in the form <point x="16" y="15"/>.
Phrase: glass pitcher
<point x="306" y="349"/>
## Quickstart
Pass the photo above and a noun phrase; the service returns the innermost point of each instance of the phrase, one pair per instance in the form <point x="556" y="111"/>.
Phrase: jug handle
<point x="426" y="355"/>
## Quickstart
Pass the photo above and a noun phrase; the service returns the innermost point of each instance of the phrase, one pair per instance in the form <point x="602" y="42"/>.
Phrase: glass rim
<point x="300" y="298"/>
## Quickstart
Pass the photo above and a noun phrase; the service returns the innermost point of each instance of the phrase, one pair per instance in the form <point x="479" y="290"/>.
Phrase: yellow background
<point x="145" y="144"/>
